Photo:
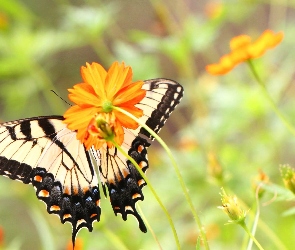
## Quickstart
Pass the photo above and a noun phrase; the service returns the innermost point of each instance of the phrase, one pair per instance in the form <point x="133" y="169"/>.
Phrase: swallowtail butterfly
<point x="43" y="152"/>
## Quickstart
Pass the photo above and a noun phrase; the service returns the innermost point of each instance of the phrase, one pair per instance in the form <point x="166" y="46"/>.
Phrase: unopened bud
<point x="231" y="207"/>
<point x="288" y="175"/>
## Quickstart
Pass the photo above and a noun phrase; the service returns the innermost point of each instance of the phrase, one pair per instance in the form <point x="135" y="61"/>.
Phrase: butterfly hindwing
<point x="43" y="152"/>
<point x="117" y="173"/>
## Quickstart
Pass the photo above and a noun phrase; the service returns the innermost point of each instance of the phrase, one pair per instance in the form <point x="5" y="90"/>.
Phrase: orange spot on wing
<point x="43" y="193"/>
<point x="54" y="208"/>
<point x="137" y="195"/>
<point x="140" y="148"/>
<point x="38" y="178"/>
<point x="93" y="215"/>
<point x="66" y="216"/>
<point x="141" y="164"/>
<point x="128" y="208"/>
<point x="140" y="182"/>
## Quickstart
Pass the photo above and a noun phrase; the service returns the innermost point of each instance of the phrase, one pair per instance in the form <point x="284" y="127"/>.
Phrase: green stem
<point x="152" y="190"/>
<point x="114" y="239"/>
<point x="180" y="179"/>
<point x="273" y="105"/>
<point x="255" y="223"/>
<point x="243" y="225"/>
<point x="149" y="227"/>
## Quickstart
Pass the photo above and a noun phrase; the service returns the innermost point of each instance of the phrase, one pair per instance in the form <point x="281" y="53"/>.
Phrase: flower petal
<point x="133" y="94"/>
<point x="125" y="120"/>
<point x="276" y="39"/>
<point x="83" y="95"/>
<point x="238" y="42"/>
<point x="225" y="64"/>
<point x="94" y="74"/>
<point x="118" y="76"/>
<point x="78" y="118"/>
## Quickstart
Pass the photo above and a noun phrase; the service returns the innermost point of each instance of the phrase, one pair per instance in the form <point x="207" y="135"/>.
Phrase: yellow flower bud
<point x="288" y="175"/>
<point x="231" y="207"/>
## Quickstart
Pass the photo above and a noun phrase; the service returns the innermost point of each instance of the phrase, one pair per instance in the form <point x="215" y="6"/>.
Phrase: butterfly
<point x="43" y="152"/>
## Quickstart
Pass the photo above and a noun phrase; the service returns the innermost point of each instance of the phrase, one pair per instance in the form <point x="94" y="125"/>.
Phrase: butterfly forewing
<point x="162" y="97"/>
<point x="42" y="151"/>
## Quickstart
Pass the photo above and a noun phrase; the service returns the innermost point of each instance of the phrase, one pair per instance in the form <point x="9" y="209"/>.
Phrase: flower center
<point x="107" y="106"/>
<point x="106" y="130"/>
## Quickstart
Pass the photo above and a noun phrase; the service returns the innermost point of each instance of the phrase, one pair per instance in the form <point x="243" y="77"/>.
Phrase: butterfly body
<point x="43" y="152"/>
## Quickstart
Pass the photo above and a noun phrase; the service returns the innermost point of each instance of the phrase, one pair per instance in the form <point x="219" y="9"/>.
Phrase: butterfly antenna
<point x="61" y="98"/>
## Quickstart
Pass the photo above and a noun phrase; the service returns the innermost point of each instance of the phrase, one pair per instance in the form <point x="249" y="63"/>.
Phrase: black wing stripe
<point x="172" y="94"/>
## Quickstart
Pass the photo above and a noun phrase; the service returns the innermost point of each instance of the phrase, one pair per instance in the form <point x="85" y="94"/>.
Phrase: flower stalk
<point x="257" y="214"/>
<point x="267" y="96"/>
<point x="149" y="226"/>
<point x="243" y="225"/>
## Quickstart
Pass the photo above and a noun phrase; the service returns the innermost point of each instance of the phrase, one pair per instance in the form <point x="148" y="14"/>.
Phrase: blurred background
<point x="223" y="134"/>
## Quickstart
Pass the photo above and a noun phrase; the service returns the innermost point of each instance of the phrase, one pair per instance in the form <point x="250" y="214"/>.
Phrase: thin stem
<point x="273" y="105"/>
<point x="149" y="227"/>
<point x="180" y="179"/>
<point x="255" y="223"/>
<point x="243" y="225"/>
<point x="114" y="239"/>
<point x="152" y="190"/>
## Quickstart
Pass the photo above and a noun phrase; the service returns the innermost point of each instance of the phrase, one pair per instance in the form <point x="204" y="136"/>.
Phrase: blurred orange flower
<point x="214" y="167"/>
<point x="213" y="9"/>
<point x="78" y="245"/>
<point x="261" y="178"/>
<point x="4" y="22"/>
<point x="100" y="92"/>
<point x="1" y="237"/>
<point x="243" y="49"/>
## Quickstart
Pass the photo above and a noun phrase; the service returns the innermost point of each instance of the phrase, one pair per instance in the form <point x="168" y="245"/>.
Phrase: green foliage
<point x="224" y="125"/>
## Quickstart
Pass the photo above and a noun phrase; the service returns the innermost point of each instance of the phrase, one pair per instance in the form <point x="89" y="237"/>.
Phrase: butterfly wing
<point x="118" y="174"/>
<point x="43" y="152"/>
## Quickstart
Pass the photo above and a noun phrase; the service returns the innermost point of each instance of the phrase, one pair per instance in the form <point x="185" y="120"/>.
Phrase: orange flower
<point x="1" y="237"/>
<point x="242" y="49"/>
<point x="95" y="98"/>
